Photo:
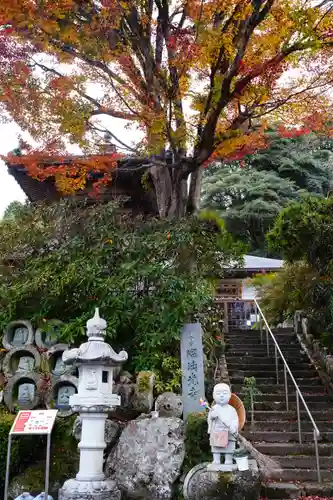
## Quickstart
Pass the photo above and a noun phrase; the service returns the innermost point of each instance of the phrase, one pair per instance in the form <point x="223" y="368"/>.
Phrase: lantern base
<point x="89" y="490"/>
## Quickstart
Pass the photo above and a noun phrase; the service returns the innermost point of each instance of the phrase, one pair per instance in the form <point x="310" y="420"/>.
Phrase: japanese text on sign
<point x="34" y="422"/>
<point x="192" y="367"/>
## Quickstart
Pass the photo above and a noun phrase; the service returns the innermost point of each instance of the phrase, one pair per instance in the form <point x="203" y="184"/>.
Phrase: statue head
<point x="222" y="394"/>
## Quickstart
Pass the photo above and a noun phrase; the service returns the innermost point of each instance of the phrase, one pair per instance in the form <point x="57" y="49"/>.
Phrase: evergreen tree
<point x="251" y="193"/>
<point x="248" y="201"/>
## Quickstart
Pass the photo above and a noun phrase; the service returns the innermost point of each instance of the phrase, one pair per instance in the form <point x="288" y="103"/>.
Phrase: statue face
<point x="222" y="394"/>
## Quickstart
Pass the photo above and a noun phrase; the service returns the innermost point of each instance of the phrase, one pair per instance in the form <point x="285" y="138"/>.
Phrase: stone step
<point x="268" y="366"/>
<point x="323" y="490"/>
<point x="262" y="360"/>
<point x="283" y="437"/>
<point x="282" y="491"/>
<point x="256" y="341"/>
<point x="280" y="389"/>
<point x="262" y="342"/>
<point x="276" y="331"/>
<point x="294" y="449"/>
<point x="303" y="462"/>
<point x="262" y="381"/>
<point x="288" y="490"/>
<point x="286" y="425"/>
<point x="309" y="398"/>
<point x="258" y="372"/>
<point x="318" y="416"/>
<point x="260" y="350"/>
<point x="305" y="475"/>
<point x="281" y="405"/>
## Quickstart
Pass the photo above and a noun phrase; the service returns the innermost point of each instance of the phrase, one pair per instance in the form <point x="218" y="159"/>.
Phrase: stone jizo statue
<point x="20" y="336"/>
<point x="26" y="364"/>
<point x="26" y="393"/>
<point x="59" y="367"/>
<point x="222" y="417"/>
<point x="64" y="394"/>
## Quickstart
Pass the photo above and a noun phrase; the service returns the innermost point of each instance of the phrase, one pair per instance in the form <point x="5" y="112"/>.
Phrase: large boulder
<point x="148" y="457"/>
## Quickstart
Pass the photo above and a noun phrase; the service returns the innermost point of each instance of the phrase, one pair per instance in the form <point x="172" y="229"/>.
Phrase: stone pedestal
<point x="204" y="484"/>
<point x="91" y="447"/>
<point x="89" y="490"/>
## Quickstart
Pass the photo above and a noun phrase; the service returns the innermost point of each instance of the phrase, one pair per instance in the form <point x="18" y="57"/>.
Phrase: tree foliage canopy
<point x="147" y="276"/>
<point x="250" y="194"/>
<point x="196" y="77"/>
<point x="303" y="234"/>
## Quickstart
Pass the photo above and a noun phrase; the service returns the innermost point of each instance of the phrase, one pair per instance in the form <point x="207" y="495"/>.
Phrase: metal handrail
<point x="299" y="395"/>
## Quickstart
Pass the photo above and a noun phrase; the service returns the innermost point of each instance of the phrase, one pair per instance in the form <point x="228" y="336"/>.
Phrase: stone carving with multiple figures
<point x="95" y="360"/>
<point x="148" y="457"/>
<point x="222" y="422"/>
<point x="169" y="404"/>
<point x="18" y="334"/>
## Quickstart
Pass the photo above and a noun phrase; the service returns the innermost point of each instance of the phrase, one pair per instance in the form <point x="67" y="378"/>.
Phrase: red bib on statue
<point x="219" y="439"/>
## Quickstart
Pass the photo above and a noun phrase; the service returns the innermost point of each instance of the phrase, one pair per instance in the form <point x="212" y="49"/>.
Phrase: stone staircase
<point x="275" y="430"/>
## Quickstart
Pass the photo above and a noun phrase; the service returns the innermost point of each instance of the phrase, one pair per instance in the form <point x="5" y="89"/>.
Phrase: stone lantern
<point x="96" y="362"/>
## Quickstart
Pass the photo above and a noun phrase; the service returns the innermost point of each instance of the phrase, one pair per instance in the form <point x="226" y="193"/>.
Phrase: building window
<point x="105" y="377"/>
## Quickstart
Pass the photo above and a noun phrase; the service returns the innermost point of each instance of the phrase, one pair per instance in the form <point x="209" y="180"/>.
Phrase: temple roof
<point x="126" y="181"/>
<point x="253" y="263"/>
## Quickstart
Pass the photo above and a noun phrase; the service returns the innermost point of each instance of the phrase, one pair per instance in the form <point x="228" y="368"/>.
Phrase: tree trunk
<point x="175" y="198"/>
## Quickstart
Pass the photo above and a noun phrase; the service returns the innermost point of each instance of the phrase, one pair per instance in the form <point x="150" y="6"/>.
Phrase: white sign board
<point x="34" y="422"/>
<point x="249" y="292"/>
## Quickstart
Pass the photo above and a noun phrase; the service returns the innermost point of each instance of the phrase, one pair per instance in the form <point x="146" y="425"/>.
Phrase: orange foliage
<point x="200" y="77"/>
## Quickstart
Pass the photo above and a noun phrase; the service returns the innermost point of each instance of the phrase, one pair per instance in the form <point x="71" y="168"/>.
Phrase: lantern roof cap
<point x="96" y="350"/>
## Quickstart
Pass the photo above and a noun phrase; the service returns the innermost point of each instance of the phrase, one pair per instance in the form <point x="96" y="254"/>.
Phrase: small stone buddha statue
<point x="26" y="393"/>
<point x="222" y="417"/>
<point x="64" y="394"/>
<point x="59" y="367"/>
<point x="26" y="364"/>
<point x="20" y="336"/>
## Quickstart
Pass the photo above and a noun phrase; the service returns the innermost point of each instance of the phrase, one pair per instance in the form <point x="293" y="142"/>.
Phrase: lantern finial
<point x="96" y="326"/>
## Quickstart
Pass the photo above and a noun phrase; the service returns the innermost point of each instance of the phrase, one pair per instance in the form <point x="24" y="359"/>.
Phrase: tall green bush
<point x="148" y="276"/>
<point x="303" y="235"/>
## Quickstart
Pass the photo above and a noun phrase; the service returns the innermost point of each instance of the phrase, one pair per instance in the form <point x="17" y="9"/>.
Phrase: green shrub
<point x="24" y="449"/>
<point x="148" y="276"/>
<point x="30" y="458"/>
<point x="197" y="441"/>
<point x="64" y="461"/>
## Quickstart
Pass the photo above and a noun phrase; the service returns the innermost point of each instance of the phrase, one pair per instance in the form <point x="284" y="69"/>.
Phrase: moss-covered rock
<point x="210" y="485"/>
<point x="64" y="463"/>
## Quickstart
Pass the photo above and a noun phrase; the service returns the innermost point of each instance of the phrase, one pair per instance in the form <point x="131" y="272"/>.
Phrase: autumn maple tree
<point x="197" y="79"/>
